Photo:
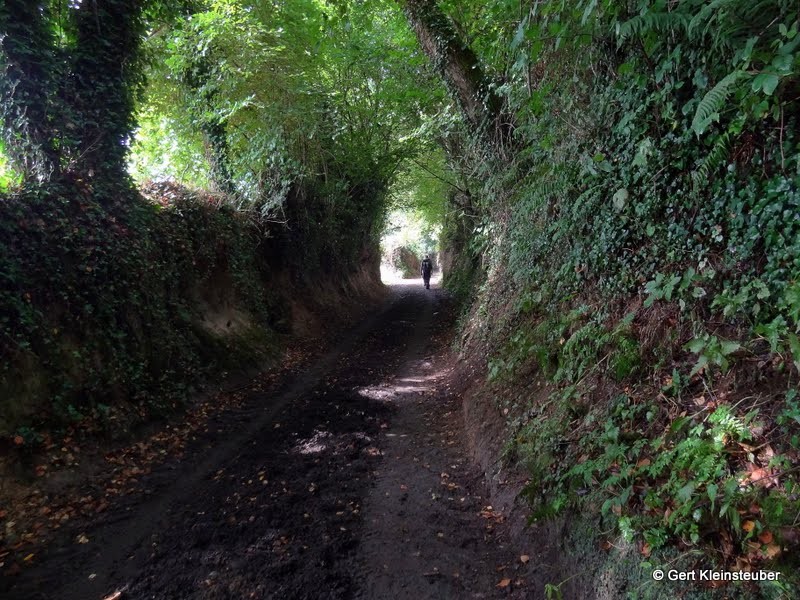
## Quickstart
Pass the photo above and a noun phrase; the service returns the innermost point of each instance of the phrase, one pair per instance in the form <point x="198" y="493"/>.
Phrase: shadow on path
<point x="348" y="480"/>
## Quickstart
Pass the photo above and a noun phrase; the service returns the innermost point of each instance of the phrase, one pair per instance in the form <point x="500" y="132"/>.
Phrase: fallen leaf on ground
<point x="114" y="596"/>
<point x="504" y="583"/>
<point x="524" y="558"/>
<point x="772" y="550"/>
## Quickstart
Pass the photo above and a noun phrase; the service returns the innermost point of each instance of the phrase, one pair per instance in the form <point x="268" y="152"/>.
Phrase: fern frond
<point x="714" y="101"/>
<point x="661" y="22"/>
<point x="706" y="14"/>
<point x="715" y="159"/>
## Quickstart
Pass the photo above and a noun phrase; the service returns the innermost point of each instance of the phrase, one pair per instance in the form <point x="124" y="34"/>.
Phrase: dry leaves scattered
<point x="29" y="517"/>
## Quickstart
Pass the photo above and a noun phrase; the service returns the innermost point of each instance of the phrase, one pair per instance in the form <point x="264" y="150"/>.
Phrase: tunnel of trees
<point x="616" y="183"/>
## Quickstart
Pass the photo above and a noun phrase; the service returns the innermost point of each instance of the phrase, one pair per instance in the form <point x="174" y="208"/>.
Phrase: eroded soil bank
<point x="348" y="479"/>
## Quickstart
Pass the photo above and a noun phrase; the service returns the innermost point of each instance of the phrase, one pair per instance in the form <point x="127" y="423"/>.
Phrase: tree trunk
<point x="459" y="67"/>
<point x="199" y="80"/>
<point x="106" y="77"/>
<point x="27" y="88"/>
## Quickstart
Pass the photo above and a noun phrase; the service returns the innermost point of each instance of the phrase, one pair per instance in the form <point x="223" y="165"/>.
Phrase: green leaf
<point x="696" y="345"/>
<point x="701" y="364"/>
<point x="728" y="347"/>
<point x="685" y="493"/>
<point x="620" y="198"/>
<point x="766" y="82"/>
<point x="520" y="35"/>
<point x="794" y="346"/>
<point x="714" y="101"/>
<point x="711" y="489"/>
<point x="625" y="68"/>
<point x="678" y="424"/>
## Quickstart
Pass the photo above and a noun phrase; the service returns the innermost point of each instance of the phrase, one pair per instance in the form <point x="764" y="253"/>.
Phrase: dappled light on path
<point x="393" y="390"/>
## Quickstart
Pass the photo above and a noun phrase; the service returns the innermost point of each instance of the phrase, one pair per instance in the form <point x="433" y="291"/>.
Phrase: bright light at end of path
<point x="390" y="276"/>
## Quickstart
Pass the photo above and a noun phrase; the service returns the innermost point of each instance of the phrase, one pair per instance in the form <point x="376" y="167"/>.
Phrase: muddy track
<point x="348" y="480"/>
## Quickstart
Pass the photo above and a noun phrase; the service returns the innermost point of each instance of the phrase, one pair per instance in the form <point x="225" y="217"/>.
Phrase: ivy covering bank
<point x="106" y="311"/>
<point x="641" y="235"/>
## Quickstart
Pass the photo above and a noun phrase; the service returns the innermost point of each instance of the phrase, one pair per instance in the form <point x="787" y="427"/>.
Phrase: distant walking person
<point x="426" y="268"/>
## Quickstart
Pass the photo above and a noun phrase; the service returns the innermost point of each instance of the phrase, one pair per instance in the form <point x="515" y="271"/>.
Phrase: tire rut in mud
<point x="277" y="510"/>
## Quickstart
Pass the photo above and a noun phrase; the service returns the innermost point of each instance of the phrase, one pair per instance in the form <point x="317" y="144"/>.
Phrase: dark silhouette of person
<point x="426" y="268"/>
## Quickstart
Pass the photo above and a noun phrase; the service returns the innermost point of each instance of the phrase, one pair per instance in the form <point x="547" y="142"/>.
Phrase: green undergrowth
<point x="461" y="259"/>
<point x="643" y="265"/>
<point x="677" y="455"/>
<point x="117" y="308"/>
<point x="618" y="570"/>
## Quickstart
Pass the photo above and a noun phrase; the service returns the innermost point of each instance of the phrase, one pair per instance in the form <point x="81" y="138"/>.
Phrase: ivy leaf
<point x="620" y="198"/>
<point x="783" y="63"/>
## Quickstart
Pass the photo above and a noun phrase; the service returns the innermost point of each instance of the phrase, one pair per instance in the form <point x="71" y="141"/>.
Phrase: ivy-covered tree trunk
<point x="199" y="78"/>
<point x="106" y="77"/>
<point x="27" y="87"/>
<point x="215" y="134"/>
<point x="459" y="67"/>
<point x="70" y="109"/>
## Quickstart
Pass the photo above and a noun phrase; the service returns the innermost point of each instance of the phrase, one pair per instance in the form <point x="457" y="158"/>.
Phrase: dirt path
<point x="347" y="481"/>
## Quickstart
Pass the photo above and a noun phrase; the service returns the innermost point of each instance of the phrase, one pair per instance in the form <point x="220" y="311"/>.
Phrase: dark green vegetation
<point x="641" y="231"/>
<point x="622" y="221"/>
<point x="294" y="119"/>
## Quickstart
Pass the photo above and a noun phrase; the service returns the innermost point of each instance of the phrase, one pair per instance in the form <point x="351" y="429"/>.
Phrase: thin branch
<point x="432" y="174"/>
